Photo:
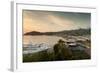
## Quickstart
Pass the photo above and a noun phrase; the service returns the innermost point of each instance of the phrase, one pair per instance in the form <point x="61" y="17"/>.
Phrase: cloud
<point x="45" y="21"/>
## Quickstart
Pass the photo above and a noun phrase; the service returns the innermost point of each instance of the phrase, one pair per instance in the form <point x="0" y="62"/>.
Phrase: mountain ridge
<point x="64" y="32"/>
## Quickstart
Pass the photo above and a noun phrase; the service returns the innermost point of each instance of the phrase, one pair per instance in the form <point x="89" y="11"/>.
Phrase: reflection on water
<point x="49" y="40"/>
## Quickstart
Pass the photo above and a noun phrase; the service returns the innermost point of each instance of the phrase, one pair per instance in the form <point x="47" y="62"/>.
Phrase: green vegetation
<point x="40" y="56"/>
<point x="61" y="52"/>
<point x="79" y="55"/>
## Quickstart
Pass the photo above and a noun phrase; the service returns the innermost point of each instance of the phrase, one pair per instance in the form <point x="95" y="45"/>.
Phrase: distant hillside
<point x="77" y="32"/>
<point x="33" y="33"/>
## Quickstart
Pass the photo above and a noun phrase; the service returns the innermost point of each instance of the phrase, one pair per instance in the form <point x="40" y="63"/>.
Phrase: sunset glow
<point x="46" y="21"/>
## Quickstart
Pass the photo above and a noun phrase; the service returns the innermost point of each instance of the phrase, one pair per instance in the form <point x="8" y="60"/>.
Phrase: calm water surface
<point x="49" y="40"/>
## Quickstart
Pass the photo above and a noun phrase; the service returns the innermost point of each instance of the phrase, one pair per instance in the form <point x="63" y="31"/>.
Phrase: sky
<point x="53" y="21"/>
